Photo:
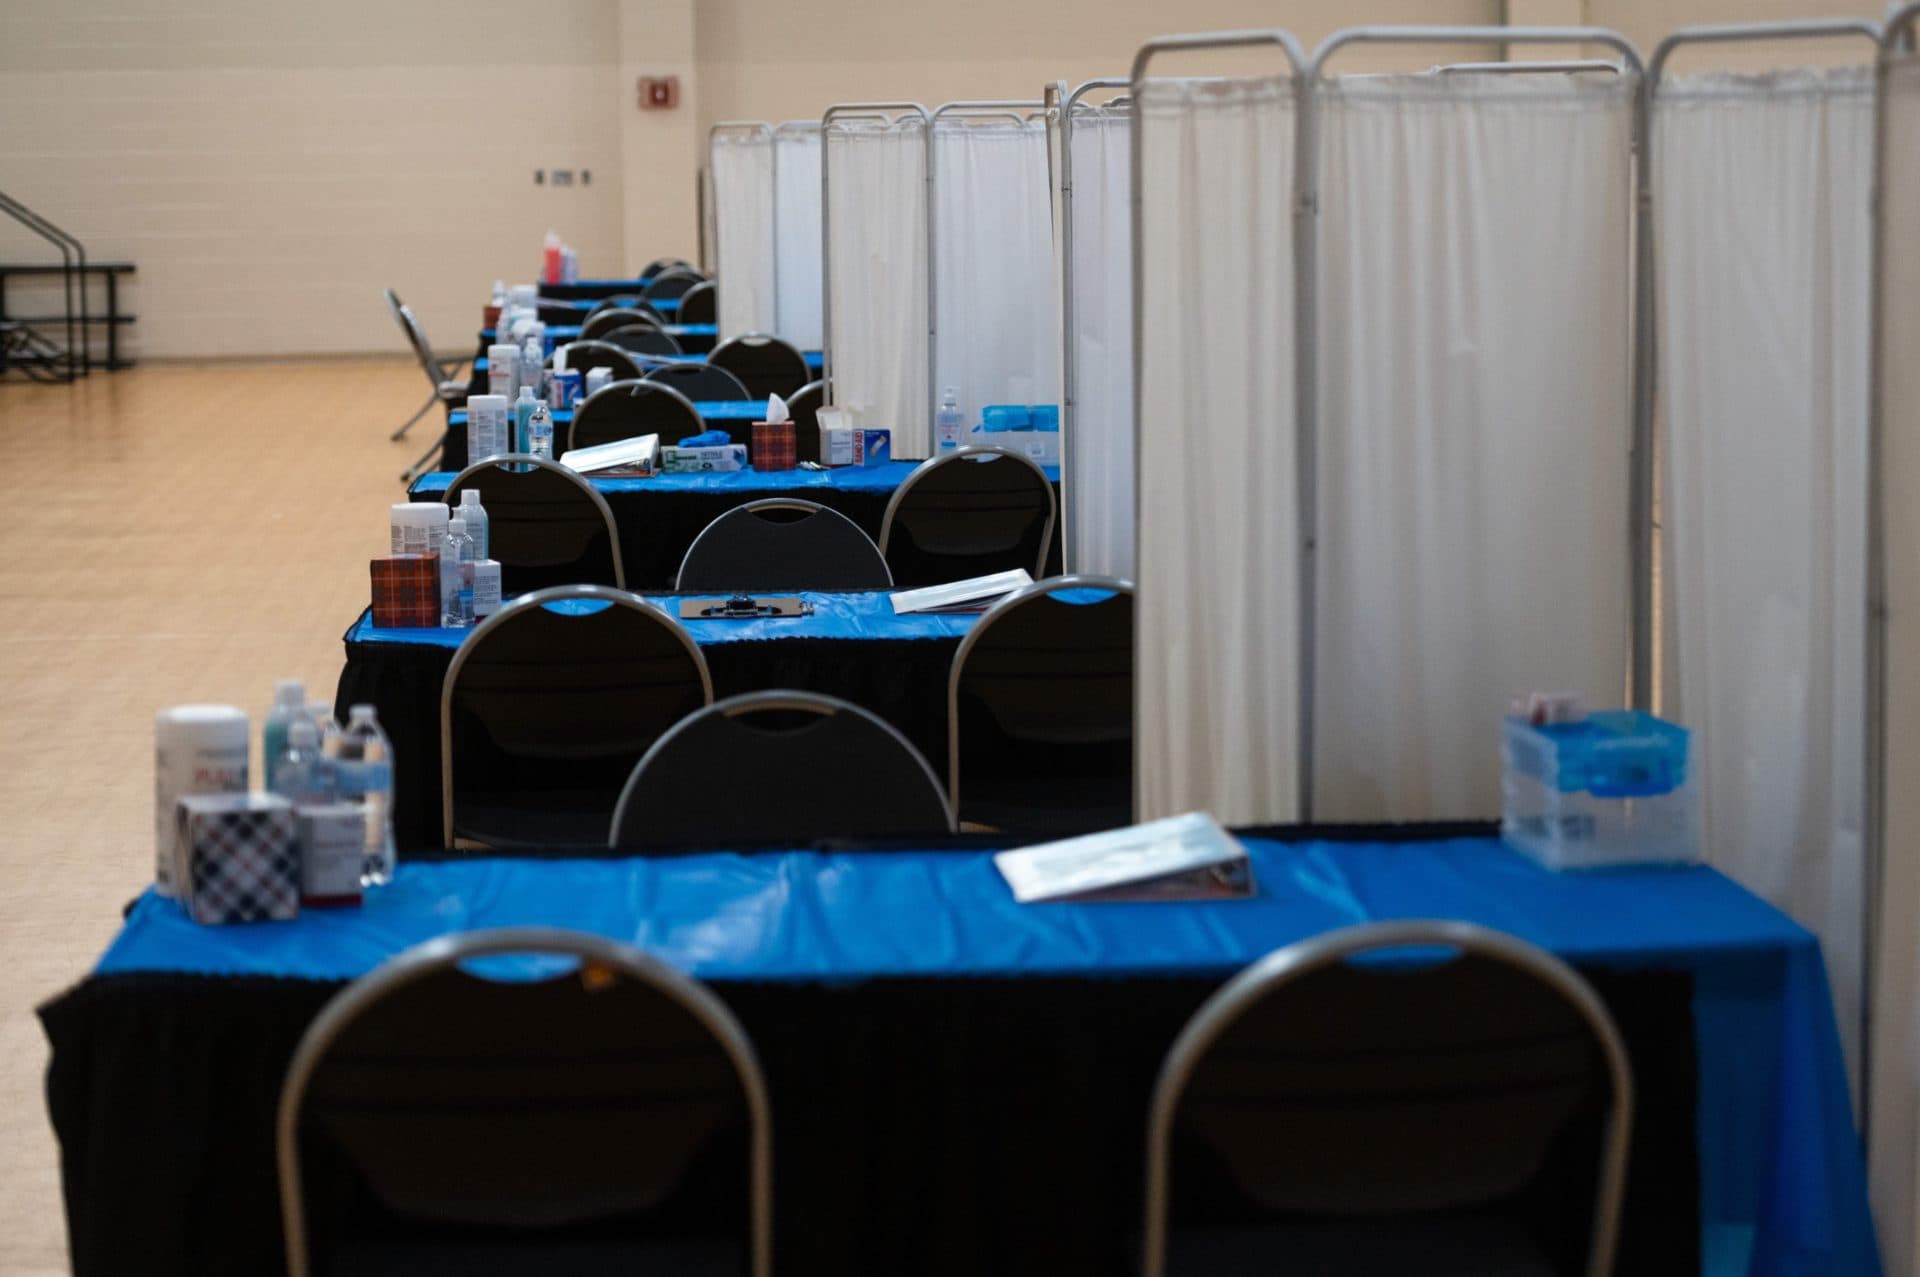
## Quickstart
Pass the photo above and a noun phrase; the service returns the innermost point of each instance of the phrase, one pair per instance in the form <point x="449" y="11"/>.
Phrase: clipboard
<point x="744" y="607"/>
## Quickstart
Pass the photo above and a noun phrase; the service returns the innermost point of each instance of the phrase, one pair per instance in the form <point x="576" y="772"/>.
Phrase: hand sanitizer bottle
<point x="476" y="516"/>
<point x="539" y="434"/>
<point x="458" y="613"/>
<point x="522" y="414"/>
<point x="533" y="363"/>
<point x="946" y="424"/>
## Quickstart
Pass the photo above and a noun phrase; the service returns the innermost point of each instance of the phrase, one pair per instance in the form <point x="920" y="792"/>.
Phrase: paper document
<point x="639" y="453"/>
<point x="975" y="594"/>
<point x="1186" y="857"/>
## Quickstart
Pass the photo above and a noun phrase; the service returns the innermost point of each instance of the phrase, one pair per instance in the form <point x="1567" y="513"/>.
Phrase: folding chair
<point x="438" y="1120"/>
<point x="624" y="409"/>
<point x="546" y="525"/>
<point x="605" y="321"/>
<point x="804" y="405"/>
<point x="699" y="304"/>
<point x="1040" y="711"/>
<point x="971" y="512"/>
<point x="1336" y="1111"/>
<point x="781" y="543"/>
<point x="548" y="706"/>
<point x="700" y="382"/>
<point x="448" y="389"/>
<point x="765" y="365"/>
<point x="584" y="356"/>
<point x="752" y="769"/>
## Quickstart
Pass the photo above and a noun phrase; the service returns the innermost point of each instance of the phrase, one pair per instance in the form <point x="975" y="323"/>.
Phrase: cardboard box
<point x="239" y="858"/>
<point x="717" y="458"/>
<point x="333" y="852"/>
<point x="871" y="447"/>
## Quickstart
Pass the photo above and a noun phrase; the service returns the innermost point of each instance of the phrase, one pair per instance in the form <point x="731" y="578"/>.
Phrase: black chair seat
<point x="540" y="818"/>
<point x="678" y="1257"/>
<point x="1473" y="1245"/>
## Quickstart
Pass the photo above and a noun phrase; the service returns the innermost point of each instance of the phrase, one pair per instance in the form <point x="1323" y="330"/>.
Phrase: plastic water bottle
<point x="539" y="434"/>
<point x="476" y="516"/>
<point x="523" y="413"/>
<point x="946" y="423"/>
<point x="289" y="703"/>
<point x="301" y="775"/>
<point x="458" y="612"/>
<point x="325" y="727"/>
<point x="533" y="363"/>
<point x="362" y="765"/>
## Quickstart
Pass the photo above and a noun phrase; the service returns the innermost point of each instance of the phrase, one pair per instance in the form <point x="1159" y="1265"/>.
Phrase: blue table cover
<point x="1782" y="1184"/>
<point x="852" y="616"/>
<point x="881" y="478"/>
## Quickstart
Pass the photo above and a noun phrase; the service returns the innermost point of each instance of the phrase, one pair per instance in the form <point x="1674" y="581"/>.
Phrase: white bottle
<point x="299" y="774"/>
<point x="476" y="516"/>
<point x="503" y="367"/>
<point x="522" y="414"/>
<point x="532" y="363"/>
<point x="197" y="749"/>
<point x="457" y="613"/>
<point x="539" y="435"/>
<point x="289" y="704"/>
<point x="362" y="765"/>
<point x="946" y="423"/>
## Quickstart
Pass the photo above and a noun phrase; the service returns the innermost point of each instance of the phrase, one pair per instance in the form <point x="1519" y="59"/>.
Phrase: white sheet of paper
<point x="1117" y="857"/>
<point x="974" y="590"/>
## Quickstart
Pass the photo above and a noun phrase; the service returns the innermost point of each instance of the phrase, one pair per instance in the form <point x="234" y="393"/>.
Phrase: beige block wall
<point x="272" y="164"/>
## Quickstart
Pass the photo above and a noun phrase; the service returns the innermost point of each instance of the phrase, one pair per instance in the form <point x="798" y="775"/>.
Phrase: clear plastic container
<point x="1616" y="788"/>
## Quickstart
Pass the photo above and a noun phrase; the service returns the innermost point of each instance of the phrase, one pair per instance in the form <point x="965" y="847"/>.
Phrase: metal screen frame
<point x="1896" y="40"/>
<point x="1297" y="66"/>
<point x="891" y="113"/>
<point x="1640" y="426"/>
<point x="1068" y="338"/>
<point x="979" y="109"/>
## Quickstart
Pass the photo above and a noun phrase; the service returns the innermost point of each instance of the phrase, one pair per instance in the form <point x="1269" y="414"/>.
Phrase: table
<point x="959" y="1084"/>
<point x="454" y="455"/>
<point x="659" y="517"/>
<point x="853" y="647"/>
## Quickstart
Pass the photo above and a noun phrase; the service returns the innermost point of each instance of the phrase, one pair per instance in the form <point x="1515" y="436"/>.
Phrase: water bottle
<point x="476" y="516"/>
<point x="362" y="765"/>
<point x="300" y="774"/>
<point x="289" y="702"/>
<point x="539" y="434"/>
<point x="458" y="611"/>
<point x="533" y="363"/>
<point x="946" y="423"/>
<point x="325" y="727"/>
<point x="522" y="413"/>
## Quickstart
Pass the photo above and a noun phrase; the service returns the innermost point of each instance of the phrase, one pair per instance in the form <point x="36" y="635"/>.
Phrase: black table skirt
<point x="921" y="1126"/>
<point x="904" y="681"/>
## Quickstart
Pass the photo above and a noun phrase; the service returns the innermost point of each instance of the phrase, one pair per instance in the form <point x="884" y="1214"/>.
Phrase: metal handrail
<point x="73" y="258"/>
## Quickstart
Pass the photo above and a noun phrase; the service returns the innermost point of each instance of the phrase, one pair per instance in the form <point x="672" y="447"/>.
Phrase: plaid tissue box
<point x="774" y="445"/>
<point x="406" y="591"/>
<point x="240" y="859"/>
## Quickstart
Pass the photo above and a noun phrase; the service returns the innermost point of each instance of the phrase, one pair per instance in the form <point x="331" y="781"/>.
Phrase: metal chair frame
<point x="1306" y="957"/>
<point x="993" y="615"/>
<point x="927" y="467"/>
<point x="443" y="952"/>
<point x="813" y="509"/>
<point x="763" y="702"/>
<point x="526" y="603"/>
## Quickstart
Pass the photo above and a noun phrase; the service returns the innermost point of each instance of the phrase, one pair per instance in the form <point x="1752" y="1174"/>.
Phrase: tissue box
<point x="239" y="860"/>
<point x="719" y="457"/>
<point x="1613" y="788"/>
<point x="406" y="591"/>
<point x="871" y="447"/>
<point x="1042" y="446"/>
<point x="333" y="850"/>
<point x="774" y="445"/>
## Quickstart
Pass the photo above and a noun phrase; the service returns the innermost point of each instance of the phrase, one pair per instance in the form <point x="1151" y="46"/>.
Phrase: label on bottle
<point x="362" y="778"/>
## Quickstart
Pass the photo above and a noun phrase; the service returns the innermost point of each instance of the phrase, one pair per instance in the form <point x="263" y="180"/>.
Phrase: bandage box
<point x="719" y="457"/>
<point x="871" y="447"/>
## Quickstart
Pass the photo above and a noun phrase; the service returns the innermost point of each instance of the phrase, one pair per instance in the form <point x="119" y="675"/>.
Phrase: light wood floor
<point x="167" y="534"/>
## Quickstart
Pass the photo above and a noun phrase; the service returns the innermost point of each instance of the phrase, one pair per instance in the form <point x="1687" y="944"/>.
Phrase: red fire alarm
<point x="659" y="93"/>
